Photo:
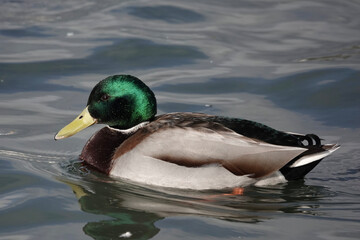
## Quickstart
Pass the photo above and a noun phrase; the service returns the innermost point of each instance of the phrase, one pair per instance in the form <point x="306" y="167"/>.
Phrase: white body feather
<point x="140" y="164"/>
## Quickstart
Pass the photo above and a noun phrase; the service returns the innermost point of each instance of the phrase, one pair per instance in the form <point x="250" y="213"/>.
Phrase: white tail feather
<point x="315" y="157"/>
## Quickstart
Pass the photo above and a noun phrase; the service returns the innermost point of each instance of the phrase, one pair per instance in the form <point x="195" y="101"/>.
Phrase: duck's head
<point x="120" y="101"/>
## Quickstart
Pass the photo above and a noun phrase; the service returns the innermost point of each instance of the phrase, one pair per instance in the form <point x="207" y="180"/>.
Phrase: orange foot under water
<point x="235" y="192"/>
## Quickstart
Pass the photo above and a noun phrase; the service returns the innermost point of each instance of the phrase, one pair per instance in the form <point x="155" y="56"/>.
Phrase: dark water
<point x="293" y="65"/>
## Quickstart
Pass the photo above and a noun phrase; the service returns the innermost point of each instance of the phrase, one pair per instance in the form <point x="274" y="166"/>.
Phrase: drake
<point x="186" y="150"/>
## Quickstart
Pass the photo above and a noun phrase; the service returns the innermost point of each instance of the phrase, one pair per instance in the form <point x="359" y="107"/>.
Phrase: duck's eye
<point x="104" y="97"/>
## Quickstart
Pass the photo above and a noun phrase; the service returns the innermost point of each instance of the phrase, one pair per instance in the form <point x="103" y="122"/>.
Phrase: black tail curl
<point x="308" y="140"/>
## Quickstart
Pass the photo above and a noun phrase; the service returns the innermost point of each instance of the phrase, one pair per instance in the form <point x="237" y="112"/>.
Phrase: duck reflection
<point x="101" y="199"/>
<point x="135" y="209"/>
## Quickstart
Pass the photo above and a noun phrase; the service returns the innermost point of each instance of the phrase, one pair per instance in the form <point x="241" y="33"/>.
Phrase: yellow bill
<point x="81" y="122"/>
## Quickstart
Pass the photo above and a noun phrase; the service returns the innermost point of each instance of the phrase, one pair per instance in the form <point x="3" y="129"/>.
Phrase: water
<point x="291" y="65"/>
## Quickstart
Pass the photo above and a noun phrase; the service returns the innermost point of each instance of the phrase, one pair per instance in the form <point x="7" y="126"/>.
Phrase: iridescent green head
<point x="120" y="101"/>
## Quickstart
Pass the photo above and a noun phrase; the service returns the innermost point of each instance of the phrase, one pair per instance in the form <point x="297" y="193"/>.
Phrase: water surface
<point x="291" y="65"/>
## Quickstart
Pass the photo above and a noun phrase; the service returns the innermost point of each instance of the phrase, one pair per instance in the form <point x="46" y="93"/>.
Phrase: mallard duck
<point x="186" y="150"/>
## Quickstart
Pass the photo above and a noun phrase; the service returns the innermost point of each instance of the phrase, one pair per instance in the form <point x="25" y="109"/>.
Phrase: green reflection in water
<point x="95" y="198"/>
